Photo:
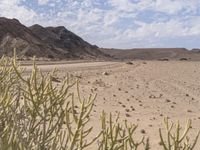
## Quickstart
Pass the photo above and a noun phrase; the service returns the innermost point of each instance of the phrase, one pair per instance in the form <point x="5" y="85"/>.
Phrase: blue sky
<point x="115" y="23"/>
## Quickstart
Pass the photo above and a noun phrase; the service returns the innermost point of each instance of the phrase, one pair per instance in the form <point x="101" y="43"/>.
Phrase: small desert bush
<point x="38" y="114"/>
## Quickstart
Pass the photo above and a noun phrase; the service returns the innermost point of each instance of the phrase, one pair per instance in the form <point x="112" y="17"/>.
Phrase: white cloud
<point x="111" y="18"/>
<point x="51" y="3"/>
<point x="43" y="2"/>
<point x="157" y="30"/>
<point x="14" y="9"/>
<point x="122" y="5"/>
<point x="173" y="7"/>
<point x="166" y="6"/>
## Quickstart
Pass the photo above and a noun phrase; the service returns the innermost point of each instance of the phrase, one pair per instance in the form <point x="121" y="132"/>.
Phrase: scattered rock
<point x="152" y="96"/>
<point x="153" y="118"/>
<point x="105" y="73"/>
<point x="133" y="109"/>
<point x="54" y="79"/>
<point x="172" y="106"/>
<point x="129" y="63"/>
<point x="160" y="143"/>
<point x="127" y="115"/>
<point x="127" y="110"/>
<point x="143" y="131"/>
<point x="183" y="59"/>
<point x="78" y="76"/>
<point x="163" y="59"/>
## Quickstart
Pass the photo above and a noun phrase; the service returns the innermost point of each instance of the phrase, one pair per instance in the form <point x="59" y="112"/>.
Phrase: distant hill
<point x="44" y="42"/>
<point x="154" y="54"/>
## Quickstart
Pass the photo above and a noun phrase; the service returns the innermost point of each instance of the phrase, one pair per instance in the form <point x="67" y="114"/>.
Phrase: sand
<point x="144" y="92"/>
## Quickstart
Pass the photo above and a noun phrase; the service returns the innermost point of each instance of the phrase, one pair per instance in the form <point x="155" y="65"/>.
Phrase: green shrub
<point x="38" y="114"/>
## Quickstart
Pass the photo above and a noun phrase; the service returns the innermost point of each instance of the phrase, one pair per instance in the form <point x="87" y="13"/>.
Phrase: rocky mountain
<point x="44" y="42"/>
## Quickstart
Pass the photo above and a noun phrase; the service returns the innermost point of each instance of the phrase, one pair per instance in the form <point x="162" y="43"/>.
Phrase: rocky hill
<point x="44" y="42"/>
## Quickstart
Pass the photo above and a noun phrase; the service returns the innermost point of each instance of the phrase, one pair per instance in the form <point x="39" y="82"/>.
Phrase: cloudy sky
<point x="115" y="23"/>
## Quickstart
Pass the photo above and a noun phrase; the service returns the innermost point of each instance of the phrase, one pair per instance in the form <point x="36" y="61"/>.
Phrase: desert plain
<point x="144" y="92"/>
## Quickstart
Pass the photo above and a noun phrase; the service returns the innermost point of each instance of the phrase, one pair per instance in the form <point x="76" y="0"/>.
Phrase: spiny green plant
<point x="175" y="140"/>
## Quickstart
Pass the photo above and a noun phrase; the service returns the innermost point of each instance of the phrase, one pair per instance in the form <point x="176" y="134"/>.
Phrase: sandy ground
<point x="144" y="93"/>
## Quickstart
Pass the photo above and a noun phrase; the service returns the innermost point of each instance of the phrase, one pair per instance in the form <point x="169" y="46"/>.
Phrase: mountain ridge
<point x="47" y="42"/>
